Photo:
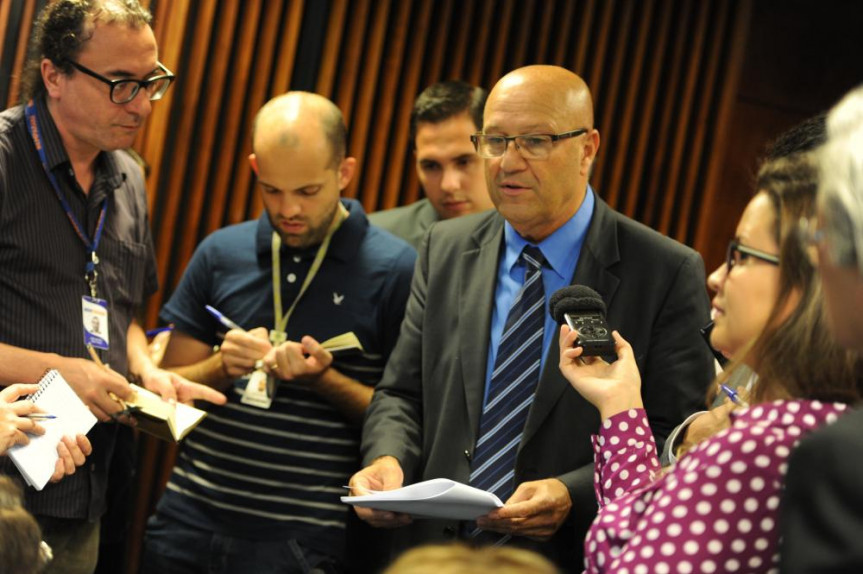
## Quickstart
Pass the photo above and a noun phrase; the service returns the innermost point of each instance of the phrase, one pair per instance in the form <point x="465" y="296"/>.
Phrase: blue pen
<point x="732" y="394"/>
<point x="221" y="318"/>
<point x="41" y="417"/>
<point x="154" y="332"/>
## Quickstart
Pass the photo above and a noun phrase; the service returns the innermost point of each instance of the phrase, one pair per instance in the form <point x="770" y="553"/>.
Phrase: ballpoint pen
<point x="732" y="394"/>
<point x="40" y="416"/>
<point x="154" y="332"/>
<point x="221" y="318"/>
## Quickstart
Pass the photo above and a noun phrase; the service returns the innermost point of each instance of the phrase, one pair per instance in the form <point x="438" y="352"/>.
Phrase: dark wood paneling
<point x="676" y="120"/>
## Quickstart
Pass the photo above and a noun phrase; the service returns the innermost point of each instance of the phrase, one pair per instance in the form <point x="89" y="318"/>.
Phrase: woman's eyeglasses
<point x="737" y="254"/>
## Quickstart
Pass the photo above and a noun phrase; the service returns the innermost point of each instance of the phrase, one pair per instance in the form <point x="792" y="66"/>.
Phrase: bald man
<point x="430" y="411"/>
<point x="256" y="486"/>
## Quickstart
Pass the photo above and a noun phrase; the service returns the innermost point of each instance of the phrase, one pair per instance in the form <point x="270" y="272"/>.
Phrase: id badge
<point x="260" y="390"/>
<point x="95" y="317"/>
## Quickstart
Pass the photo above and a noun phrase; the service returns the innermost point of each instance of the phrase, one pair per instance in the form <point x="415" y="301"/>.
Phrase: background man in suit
<point x="822" y="514"/>
<point x="425" y="417"/>
<point x="444" y="117"/>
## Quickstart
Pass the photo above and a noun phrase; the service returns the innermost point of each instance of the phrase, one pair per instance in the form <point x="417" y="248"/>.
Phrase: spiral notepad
<point x="36" y="460"/>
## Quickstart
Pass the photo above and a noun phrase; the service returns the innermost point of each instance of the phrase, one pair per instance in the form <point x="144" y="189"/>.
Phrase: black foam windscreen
<point x="572" y="299"/>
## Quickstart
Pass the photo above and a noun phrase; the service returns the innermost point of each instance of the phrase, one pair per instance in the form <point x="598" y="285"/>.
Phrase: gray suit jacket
<point x="409" y="222"/>
<point x="426" y="409"/>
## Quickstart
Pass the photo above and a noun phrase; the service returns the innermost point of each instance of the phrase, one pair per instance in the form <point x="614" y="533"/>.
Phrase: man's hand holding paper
<point x="303" y="362"/>
<point x="536" y="510"/>
<point x="384" y="473"/>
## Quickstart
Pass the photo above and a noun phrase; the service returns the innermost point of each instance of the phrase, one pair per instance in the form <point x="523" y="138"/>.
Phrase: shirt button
<point x="297" y="258"/>
<point x="291" y="277"/>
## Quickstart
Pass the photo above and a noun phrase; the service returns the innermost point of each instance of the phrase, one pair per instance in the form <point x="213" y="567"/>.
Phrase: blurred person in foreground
<point x="21" y="548"/>
<point x="463" y="559"/>
<point x="822" y="513"/>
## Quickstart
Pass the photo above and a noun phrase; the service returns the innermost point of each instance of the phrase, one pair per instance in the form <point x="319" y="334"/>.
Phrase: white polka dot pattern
<point x="715" y="511"/>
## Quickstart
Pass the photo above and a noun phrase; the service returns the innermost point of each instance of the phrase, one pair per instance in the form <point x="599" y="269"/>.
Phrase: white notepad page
<point x="36" y="460"/>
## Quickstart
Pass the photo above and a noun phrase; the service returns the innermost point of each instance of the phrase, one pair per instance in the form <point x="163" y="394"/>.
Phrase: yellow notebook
<point x="346" y="342"/>
<point x="167" y="421"/>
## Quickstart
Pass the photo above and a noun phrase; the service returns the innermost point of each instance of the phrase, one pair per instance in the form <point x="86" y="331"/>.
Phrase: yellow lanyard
<point x="279" y="334"/>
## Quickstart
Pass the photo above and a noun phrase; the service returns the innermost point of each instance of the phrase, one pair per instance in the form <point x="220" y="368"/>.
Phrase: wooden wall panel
<point x="663" y="74"/>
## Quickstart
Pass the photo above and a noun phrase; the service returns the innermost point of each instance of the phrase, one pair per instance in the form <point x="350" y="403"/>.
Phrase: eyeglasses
<point x="530" y="146"/>
<point x="124" y="91"/>
<point x="737" y="254"/>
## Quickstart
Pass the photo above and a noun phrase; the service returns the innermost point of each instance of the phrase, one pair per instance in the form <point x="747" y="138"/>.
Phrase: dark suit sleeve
<point x="678" y="366"/>
<point x="394" y="299"/>
<point x="393" y="422"/>
<point x="822" y="511"/>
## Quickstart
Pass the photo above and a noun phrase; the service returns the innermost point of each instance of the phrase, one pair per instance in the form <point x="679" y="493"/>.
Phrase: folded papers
<point x="435" y="498"/>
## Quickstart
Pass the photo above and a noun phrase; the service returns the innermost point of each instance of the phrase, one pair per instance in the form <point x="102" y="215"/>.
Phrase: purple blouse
<point x="714" y="511"/>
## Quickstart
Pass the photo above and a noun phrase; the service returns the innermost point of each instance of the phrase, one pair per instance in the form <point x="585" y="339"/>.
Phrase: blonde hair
<point x="459" y="558"/>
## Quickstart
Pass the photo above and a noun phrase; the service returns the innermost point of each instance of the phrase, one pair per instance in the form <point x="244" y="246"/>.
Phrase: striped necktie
<point x="512" y="385"/>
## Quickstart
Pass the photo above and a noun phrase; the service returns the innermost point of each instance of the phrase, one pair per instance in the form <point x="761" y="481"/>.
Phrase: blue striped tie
<point x="512" y="385"/>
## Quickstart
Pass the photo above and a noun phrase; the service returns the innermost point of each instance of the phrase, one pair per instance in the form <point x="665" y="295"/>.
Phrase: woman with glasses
<point x="716" y="509"/>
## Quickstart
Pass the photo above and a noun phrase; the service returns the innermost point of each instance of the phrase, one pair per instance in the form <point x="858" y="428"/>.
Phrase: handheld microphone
<point x="584" y="311"/>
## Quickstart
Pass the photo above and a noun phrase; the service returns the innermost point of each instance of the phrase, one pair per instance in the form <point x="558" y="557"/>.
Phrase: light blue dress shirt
<point x="561" y="250"/>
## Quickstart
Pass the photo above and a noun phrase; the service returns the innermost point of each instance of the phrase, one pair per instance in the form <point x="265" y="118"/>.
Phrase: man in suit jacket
<point x="443" y="118"/>
<point x="424" y="417"/>
<point x="822" y="512"/>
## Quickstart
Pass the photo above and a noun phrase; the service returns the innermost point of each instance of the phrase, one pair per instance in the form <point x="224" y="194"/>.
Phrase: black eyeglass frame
<point x="736" y="246"/>
<point x="167" y="75"/>
<point x="474" y="138"/>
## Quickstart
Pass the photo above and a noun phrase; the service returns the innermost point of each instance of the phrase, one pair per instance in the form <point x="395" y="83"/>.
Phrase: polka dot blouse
<point x="714" y="511"/>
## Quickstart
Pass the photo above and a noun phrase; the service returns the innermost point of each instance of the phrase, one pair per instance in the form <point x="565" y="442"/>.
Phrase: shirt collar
<point x="55" y="152"/>
<point x="557" y="247"/>
<point x="344" y="245"/>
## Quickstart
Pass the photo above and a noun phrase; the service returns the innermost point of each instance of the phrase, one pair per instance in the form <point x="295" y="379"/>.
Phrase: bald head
<point x="298" y="156"/>
<point x="300" y="119"/>
<point x="537" y="195"/>
<point x="556" y="90"/>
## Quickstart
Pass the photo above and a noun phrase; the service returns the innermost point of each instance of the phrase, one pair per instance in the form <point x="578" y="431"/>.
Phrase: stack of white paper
<point x="435" y="498"/>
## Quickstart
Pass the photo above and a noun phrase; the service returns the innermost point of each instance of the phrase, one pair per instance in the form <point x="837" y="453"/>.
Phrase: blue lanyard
<point x="90" y="273"/>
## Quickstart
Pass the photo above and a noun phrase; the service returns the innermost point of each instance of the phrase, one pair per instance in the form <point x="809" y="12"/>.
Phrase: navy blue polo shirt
<point x="278" y="473"/>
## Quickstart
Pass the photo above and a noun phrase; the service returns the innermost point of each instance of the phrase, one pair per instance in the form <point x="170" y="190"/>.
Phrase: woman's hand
<point x="14" y="421"/>
<point x="611" y="388"/>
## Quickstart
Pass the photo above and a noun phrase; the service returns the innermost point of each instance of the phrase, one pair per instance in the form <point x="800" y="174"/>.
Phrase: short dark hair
<point x="803" y="137"/>
<point x="62" y="29"/>
<point x="444" y="100"/>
